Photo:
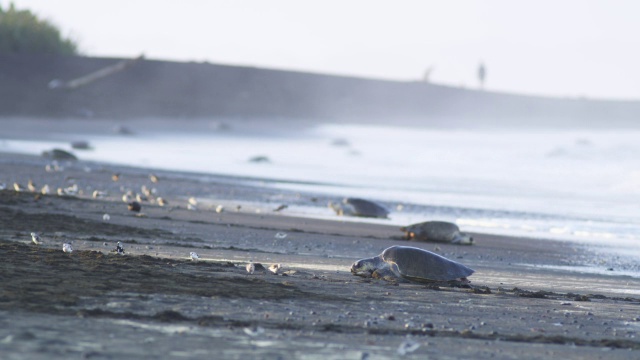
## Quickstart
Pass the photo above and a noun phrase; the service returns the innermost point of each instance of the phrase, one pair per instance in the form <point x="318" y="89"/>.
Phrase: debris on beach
<point x="35" y="238"/>
<point x="340" y="142"/>
<point x="122" y="130"/>
<point x="66" y="247"/>
<point x="281" y="207"/>
<point x="134" y="206"/>
<point x="80" y="145"/>
<point x="360" y="208"/>
<point x="408" y="346"/>
<point x="280" y="235"/>
<point x="259" y="159"/>
<point x="192" y="207"/>
<point x="3" y="186"/>
<point x="106" y="217"/>
<point x="193" y="256"/>
<point x="253" y="331"/>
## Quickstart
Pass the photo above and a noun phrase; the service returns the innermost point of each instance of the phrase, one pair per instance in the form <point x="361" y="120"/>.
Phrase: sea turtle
<point x="437" y="231"/>
<point x="412" y="264"/>
<point x="59" y="154"/>
<point x="359" y="207"/>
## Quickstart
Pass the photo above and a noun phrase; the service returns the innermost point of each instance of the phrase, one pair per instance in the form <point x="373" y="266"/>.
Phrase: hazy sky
<point x="559" y="48"/>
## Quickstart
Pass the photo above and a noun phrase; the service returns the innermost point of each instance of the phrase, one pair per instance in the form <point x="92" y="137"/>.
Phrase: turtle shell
<point x="421" y="265"/>
<point x="366" y="208"/>
<point x="440" y="231"/>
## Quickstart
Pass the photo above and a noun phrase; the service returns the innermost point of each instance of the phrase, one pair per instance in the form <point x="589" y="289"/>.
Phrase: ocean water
<point x="575" y="185"/>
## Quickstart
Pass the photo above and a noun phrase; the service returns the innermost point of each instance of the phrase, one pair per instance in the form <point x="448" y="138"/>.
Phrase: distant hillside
<point x="165" y="89"/>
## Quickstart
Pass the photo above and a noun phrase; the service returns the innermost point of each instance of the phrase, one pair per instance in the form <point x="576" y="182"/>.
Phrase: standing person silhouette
<point x="482" y="74"/>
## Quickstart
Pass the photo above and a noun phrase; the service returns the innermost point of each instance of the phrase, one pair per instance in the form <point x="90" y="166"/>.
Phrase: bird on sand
<point x="119" y="249"/>
<point x="35" y="238"/>
<point x="66" y="247"/>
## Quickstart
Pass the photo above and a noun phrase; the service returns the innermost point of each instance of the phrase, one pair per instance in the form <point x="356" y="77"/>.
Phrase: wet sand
<point x="524" y="301"/>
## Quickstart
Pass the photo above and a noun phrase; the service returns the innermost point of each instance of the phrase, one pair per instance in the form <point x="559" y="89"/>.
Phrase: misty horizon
<point x="572" y="49"/>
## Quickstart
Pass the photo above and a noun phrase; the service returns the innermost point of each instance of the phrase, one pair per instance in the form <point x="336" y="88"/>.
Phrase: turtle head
<point x="408" y="232"/>
<point x="364" y="267"/>
<point x="463" y="239"/>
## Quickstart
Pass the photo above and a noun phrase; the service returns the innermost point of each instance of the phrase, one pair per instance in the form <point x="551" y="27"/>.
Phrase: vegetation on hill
<point x="21" y="32"/>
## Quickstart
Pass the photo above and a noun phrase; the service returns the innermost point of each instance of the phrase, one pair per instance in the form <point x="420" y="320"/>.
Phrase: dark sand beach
<point x="523" y="301"/>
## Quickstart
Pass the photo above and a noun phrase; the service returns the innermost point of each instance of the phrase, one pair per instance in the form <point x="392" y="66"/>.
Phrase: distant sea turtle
<point x="412" y="264"/>
<point x="437" y="231"/>
<point x="359" y="207"/>
<point x="59" y="154"/>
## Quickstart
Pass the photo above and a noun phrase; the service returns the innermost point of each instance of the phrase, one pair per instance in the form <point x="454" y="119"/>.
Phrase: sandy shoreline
<point x="154" y="302"/>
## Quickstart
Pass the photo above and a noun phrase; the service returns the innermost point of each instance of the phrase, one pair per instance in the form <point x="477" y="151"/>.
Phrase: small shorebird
<point x="153" y="178"/>
<point x="35" y="238"/>
<point x="53" y="167"/>
<point x="17" y="187"/>
<point x="274" y="268"/>
<point x="115" y="177"/>
<point x="45" y="189"/>
<point x="97" y="194"/>
<point x="251" y="268"/>
<point x="31" y="186"/>
<point x="194" y="256"/>
<point x="106" y="217"/>
<point x="146" y="191"/>
<point x="66" y="247"/>
<point x="162" y="202"/>
<point x="219" y="209"/>
<point x="128" y="197"/>
<point x="119" y="249"/>
<point x="71" y="190"/>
